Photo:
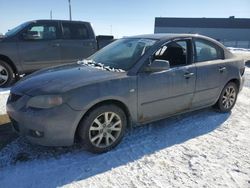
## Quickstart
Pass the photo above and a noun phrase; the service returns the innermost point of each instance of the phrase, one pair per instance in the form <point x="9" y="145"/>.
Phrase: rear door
<point x="78" y="41"/>
<point x="168" y="92"/>
<point x="210" y="70"/>
<point x="43" y="49"/>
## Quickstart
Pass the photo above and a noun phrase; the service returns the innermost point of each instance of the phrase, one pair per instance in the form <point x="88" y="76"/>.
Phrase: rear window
<point x="207" y="51"/>
<point x="75" y="31"/>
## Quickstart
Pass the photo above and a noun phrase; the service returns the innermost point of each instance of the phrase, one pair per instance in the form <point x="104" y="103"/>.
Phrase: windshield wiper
<point x="92" y="63"/>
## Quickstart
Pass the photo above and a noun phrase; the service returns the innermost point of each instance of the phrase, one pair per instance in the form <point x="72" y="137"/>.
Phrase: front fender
<point x="9" y="50"/>
<point x="83" y="98"/>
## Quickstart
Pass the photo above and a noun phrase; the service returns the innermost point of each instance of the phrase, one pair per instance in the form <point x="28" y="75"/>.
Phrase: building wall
<point x="231" y="37"/>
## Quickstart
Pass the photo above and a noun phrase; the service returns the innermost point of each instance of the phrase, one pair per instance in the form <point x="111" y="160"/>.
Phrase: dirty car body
<point x="47" y="106"/>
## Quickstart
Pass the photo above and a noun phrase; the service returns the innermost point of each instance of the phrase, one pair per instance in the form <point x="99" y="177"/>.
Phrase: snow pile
<point x="91" y="63"/>
<point x="239" y="49"/>
<point x="198" y="149"/>
<point x="241" y="52"/>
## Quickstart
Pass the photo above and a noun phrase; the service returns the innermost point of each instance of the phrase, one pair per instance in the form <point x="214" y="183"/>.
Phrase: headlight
<point x="45" y="101"/>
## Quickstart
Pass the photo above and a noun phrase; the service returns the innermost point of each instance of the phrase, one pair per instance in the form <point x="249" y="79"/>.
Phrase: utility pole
<point x="70" y="18"/>
<point x="111" y="30"/>
<point x="51" y="14"/>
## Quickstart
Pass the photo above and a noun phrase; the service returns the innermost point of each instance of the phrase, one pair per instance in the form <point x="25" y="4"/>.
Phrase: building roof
<point x="243" y="23"/>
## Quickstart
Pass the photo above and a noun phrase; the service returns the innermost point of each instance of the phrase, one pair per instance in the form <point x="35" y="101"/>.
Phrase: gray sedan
<point x="132" y="81"/>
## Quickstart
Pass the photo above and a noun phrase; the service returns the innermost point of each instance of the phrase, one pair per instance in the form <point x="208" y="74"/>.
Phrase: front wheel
<point x="7" y="76"/>
<point x="103" y="128"/>
<point x="228" y="97"/>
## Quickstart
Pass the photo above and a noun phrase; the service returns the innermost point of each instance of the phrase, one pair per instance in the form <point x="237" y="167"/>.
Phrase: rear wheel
<point x="228" y="97"/>
<point x="7" y="75"/>
<point x="103" y="128"/>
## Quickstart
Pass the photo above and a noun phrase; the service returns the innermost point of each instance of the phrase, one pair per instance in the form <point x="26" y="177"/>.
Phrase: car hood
<point x="61" y="79"/>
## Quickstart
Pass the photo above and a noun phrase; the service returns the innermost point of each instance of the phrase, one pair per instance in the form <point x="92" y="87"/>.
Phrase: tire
<point x="227" y="97"/>
<point x="99" y="134"/>
<point x="7" y="75"/>
<point x="247" y="63"/>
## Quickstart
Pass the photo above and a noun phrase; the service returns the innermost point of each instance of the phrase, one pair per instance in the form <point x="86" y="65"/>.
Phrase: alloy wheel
<point x="4" y="75"/>
<point x="229" y="97"/>
<point x="105" y="129"/>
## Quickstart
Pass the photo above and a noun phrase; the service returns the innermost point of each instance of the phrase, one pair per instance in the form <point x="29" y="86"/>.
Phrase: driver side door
<point x="42" y="49"/>
<point x="167" y="92"/>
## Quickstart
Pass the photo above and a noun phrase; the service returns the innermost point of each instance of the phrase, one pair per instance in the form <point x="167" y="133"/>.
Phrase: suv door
<point x="39" y="46"/>
<point x="168" y="92"/>
<point x="210" y="69"/>
<point x="77" y="43"/>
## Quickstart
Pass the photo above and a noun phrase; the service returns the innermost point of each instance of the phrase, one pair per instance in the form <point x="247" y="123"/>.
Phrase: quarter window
<point x="75" y="31"/>
<point x="206" y="51"/>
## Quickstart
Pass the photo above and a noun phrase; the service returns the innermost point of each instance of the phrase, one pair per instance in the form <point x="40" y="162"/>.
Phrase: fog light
<point x="36" y="133"/>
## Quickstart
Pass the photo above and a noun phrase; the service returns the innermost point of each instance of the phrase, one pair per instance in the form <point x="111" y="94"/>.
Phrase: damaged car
<point x="132" y="81"/>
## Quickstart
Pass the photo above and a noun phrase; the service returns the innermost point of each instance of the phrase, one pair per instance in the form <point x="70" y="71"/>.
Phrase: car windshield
<point x="16" y="29"/>
<point x="123" y="53"/>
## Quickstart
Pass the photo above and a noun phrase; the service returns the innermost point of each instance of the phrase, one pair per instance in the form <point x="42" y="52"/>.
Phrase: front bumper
<point x="56" y="125"/>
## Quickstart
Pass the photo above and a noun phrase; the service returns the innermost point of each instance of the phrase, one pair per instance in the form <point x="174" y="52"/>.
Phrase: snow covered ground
<point x="4" y="93"/>
<point x="198" y="149"/>
<point x="241" y="52"/>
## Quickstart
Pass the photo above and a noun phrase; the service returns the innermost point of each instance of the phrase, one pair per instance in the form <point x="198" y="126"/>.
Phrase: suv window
<point x="46" y="31"/>
<point x="175" y="52"/>
<point x="75" y="31"/>
<point x="206" y="51"/>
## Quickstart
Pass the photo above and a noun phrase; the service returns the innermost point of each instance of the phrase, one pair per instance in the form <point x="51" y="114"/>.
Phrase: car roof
<point x="169" y="36"/>
<point x="48" y="20"/>
<point x="161" y="36"/>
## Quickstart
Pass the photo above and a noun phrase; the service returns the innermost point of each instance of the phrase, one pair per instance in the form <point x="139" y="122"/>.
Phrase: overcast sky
<point x="118" y="17"/>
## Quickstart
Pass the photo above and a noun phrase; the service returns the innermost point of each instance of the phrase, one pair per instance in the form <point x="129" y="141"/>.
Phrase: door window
<point x="42" y="32"/>
<point x="175" y="52"/>
<point x="75" y="31"/>
<point x="206" y="51"/>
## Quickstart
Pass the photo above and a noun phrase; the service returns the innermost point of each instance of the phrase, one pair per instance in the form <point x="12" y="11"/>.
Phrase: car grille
<point x="14" y="97"/>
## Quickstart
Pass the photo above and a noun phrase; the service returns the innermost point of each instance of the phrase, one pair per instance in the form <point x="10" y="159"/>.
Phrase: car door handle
<point x="222" y="69"/>
<point x="55" y="45"/>
<point x="188" y="74"/>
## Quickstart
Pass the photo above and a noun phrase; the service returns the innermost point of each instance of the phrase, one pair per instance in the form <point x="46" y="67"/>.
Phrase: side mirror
<point x="157" y="65"/>
<point x="30" y="35"/>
